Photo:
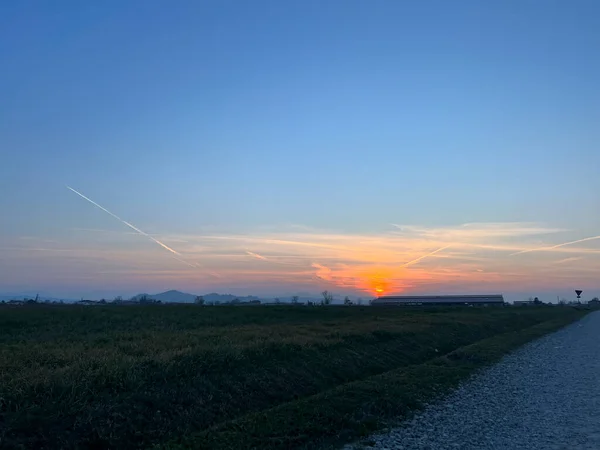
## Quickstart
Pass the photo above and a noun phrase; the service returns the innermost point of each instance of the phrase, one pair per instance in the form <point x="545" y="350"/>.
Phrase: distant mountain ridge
<point x="174" y="296"/>
<point x="41" y="298"/>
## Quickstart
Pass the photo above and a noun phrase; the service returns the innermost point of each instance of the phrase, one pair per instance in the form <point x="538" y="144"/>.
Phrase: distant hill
<point x="174" y="296"/>
<point x="41" y="298"/>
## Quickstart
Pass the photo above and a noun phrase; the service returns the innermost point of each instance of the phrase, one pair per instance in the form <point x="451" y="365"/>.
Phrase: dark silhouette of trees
<point x="327" y="298"/>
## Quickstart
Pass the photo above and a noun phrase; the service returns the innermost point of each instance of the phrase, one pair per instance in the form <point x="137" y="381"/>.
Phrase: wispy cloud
<point x="403" y="258"/>
<point x="323" y="272"/>
<point x="478" y="231"/>
<point x="103" y="231"/>
<point x="256" y="255"/>
<point x="120" y="232"/>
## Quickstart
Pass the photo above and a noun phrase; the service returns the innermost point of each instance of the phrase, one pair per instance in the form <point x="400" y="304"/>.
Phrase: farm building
<point x="439" y="300"/>
<point x="523" y="302"/>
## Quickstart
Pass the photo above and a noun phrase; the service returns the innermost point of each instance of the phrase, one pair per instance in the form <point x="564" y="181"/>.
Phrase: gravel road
<point x="545" y="395"/>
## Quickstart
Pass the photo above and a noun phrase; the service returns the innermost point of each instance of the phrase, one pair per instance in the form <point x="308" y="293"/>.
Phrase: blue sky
<point x="210" y="122"/>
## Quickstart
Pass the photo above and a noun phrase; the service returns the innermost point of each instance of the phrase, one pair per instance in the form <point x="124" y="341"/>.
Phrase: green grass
<point x="237" y="377"/>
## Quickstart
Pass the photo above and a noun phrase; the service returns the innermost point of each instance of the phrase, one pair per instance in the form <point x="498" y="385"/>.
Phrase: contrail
<point x="556" y="246"/>
<point x="271" y="260"/>
<point x="166" y="247"/>
<point x="562" y="261"/>
<point x="185" y="262"/>
<point x="425" y="256"/>
<point x="256" y="255"/>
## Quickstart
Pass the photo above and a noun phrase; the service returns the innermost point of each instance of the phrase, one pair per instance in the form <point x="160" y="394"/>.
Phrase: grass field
<point x="274" y="377"/>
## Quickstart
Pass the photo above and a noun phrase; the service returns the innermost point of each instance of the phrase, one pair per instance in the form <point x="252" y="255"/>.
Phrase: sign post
<point x="578" y="292"/>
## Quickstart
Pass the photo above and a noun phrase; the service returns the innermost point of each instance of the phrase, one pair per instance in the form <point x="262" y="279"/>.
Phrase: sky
<point x="270" y="148"/>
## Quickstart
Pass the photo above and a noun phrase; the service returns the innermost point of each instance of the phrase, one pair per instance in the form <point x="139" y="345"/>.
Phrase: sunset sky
<point x="276" y="147"/>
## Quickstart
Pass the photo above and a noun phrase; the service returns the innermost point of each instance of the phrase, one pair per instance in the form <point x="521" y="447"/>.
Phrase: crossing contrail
<point x="414" y="261"/>
<point x="556" y="246"/>
<point x="166" y="247"/>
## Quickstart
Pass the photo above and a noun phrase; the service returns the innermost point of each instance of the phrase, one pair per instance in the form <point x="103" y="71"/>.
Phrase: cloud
<point x="323" y="272"/>
<point x="256" y="255"/>
<point x="120" y="232"/>
<point x="478" y="231"/>
<point x="404" y="258"/>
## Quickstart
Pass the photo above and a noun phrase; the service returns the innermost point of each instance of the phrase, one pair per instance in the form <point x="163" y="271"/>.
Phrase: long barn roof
<point x="441" y="299"/>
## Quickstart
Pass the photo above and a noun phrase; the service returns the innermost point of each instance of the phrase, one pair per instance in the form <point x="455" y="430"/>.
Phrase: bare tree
<point x="277" y="301"/>
<point x="199" y="300"/>
<point x="327" y="298"/>
<point x="347" y="301"/>
<point x="295" y="299"/>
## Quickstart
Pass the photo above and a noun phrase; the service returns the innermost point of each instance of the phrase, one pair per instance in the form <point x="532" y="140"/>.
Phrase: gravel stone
<point x="545" y="396"/>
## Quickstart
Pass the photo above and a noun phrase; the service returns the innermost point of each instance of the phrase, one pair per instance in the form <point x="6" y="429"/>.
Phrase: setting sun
<point x="377" y="280"/>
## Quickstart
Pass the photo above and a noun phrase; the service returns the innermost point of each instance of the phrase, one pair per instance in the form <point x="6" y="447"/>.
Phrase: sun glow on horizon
<point x="376" y="280"/>
<point x="414" y="259"/>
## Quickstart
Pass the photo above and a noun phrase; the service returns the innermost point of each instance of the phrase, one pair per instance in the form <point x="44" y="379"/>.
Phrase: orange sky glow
<point x="408" y="259"/>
